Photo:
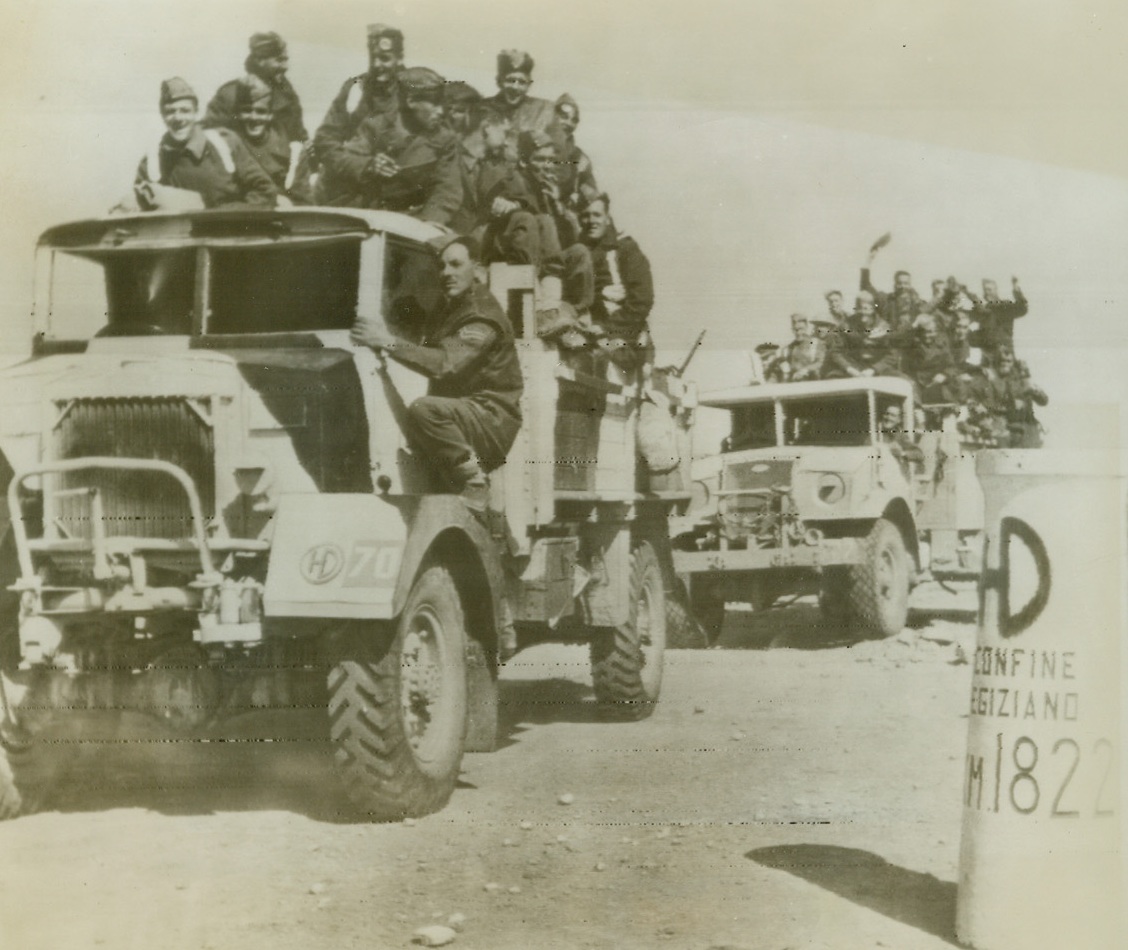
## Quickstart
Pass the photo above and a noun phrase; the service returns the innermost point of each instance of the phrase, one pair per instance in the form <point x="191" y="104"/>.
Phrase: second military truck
<point x="821" y="487"/>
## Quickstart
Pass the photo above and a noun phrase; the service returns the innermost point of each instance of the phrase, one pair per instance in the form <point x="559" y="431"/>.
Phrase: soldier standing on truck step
<point x="268" y="60"/>
<point x="212" y="163"/>
<point x="468" y="420"/>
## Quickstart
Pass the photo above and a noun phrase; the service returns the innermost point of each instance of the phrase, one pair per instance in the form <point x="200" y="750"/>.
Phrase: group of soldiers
<point x="501" y="176"/>
<point x="503" y="169"/>
<point x="956" y="347"/>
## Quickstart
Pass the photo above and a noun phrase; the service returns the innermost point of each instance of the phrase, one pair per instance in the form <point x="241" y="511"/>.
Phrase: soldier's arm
<point x="447" y="195"/>
<point x="453" y="355"/>
<point x="334" y="131"/>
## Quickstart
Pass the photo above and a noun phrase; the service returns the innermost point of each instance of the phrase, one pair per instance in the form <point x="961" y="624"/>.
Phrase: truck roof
<point x="219" y="227"/>
<point x="820" y="388"/>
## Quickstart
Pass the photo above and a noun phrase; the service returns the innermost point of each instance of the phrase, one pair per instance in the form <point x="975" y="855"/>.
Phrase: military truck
<point x="819" y="488"/>
<point x="210" y="509"/>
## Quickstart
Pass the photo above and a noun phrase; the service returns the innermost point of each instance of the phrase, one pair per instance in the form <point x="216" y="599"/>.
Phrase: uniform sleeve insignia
<point x="475" y="334"/>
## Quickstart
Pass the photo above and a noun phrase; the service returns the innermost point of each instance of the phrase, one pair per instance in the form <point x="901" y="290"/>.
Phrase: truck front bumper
<point x="829" y="552"/>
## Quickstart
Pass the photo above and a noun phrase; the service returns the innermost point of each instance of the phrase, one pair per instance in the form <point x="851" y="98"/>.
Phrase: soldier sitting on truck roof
<point x="462" y="104"/>
<point x="573" y="167"/>
<point x="928" y="363"/>
<point x="375" y="92"/>
<point x="526" y="113"/>
<point x="529" y="224"/>
<point x="284" y="161"/>
<point x="805" y="354"/>
<point x="868" y="346"/>
<point x="405" y="161"/>
<point x="268" y="61"/>
<point x="193" y="167"/>
<point x="899" y="307"/>
<point x="996" y="316"/>
<point x="469" y="418"/>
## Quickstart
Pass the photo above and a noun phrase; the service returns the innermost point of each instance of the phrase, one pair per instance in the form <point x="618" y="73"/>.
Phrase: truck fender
<point x="897" y="511"/>
<point x="334" y="555"/>
<point x="443" y="530"/>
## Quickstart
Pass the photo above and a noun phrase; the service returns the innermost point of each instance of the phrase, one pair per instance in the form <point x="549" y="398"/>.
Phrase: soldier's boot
<point x="474" y="486"/>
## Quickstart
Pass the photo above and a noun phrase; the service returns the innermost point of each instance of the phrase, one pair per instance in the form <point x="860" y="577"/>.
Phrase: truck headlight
<point x="830" y="489"/>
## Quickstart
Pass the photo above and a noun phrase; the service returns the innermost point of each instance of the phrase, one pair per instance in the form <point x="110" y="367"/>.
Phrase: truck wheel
<point x="398" y="710"/>
<point x="879" y="586"/>
<point x="626" y="661"/>
<point x="683" y="632"/>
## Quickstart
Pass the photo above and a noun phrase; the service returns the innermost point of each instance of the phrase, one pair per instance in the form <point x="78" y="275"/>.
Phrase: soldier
<point x="892" y="431"/>
<point x="280" y="159"/>
<point x="375" y="92"/>
<point x="573" y="171"/>
<point x="767" y="361"/>
<point x="897" y="308"/>
<point x="525" y="113"/>
<point x="469" y="418"/>
<point x="463" y="106"/>
<point x="1008" y="395"/>
<point x="805" y="354"/>
<point x="529" y="224"/>
<point x="405" y="161"/>
<point x="212" y="163"/>
<point x="996" y="316"/>
<point x="268" y="61"/>
<point x="929" y="364"/>
<point x="836" y="306"/>
<point x="868" y="346"/>
<point x="624" y="288"/>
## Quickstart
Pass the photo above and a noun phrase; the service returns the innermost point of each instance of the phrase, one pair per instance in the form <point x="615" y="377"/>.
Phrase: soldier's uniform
<point x="898" y="308"/>
<point x="428" y="184"/>
<point x="213" y="163"/>
<point x="864" y="349"/>
<point x="1009" y="399"/>
<point x="574" y="171"/>
<point x="805" y="359"/>
<point x="925" y="359"/>
<point x="996" y="320"/>
<point x="223" y="110"/>
<point x="617" y="260"/>
<point x="530" y="114"/>
<point x="282" y="159"/>
<point x="360" y="98"/>
<point x="471" y="413"/>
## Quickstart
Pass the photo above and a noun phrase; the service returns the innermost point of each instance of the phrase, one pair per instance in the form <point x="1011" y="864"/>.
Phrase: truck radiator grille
<point x="138" y="504"/>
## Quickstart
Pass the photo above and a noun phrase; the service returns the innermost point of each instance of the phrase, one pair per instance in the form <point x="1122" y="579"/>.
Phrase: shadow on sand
<point x="918" y="900"/>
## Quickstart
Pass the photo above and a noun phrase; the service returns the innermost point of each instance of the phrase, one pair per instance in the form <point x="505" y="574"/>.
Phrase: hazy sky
<point x="754" y="149"/>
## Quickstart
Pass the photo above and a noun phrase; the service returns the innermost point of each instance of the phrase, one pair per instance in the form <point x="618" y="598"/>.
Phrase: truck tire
<point x="683" y="632"/>
<point x="878" y="594"/>
<point x="626" y="661"/>
<point x="398" y="710"/>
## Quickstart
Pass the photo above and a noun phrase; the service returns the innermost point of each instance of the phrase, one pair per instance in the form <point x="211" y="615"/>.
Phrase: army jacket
<point x="628" y="318"/>
<point x="231" y="180"/>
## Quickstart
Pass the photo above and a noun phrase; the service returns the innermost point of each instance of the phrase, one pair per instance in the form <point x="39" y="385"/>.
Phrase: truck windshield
<point x="839" y="420"/>
<point x="251" y="289"/>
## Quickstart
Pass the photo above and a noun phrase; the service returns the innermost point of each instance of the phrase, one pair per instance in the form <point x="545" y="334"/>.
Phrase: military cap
<point x="385" y="38"/>
<point x="422" y="82"/>
<point x="249" y="90"/>
<point x="529" y="141"/>
<point x="263" y="45"/>
<point x="176" y="88"/>
<point x="514" y="61"/>
<point x="461" y="93"/>
<point x="567" y="100"/>
<point x="767" y="348"/>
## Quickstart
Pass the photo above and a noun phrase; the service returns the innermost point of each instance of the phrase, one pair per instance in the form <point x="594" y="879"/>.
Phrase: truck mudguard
<point x="334" y="555"/>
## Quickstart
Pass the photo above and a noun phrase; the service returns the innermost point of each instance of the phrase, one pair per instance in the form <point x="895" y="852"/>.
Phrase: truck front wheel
<point x="878" y="593"/>
<point x="398" y="707"/>
<point x="626" y="661"/>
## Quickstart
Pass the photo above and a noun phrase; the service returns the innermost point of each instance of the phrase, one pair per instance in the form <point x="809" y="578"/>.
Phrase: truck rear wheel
<point x="398" y="709"/>
<point x="626" y="661"/>
<point x="878" y="594"/>
<point x="683" y="631"/>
